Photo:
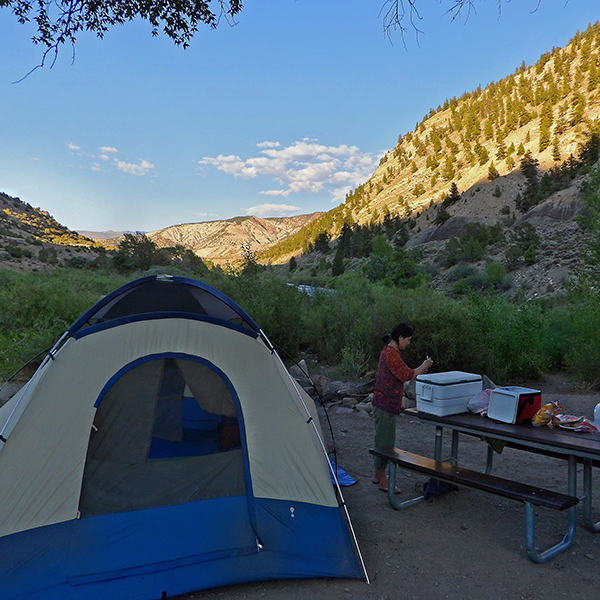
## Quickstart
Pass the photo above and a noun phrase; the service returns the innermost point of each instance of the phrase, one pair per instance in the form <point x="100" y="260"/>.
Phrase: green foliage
<point x="591" y="221"/>
<point x="380" y="247"/>
<point x="493" y="172"/>
<point x="492" y="335"/>
<point x="419" y="190"/>
<point x="582" y="350"/>
<point x="136" y="252"/>
<point x="471" y="244"/>
<point x="453" y="196"/>
<point x="466" y="279"/>
<point x="14" y="251"/>
<point x="530" y="256"/>
<point x="513" y="256"/>
<point x="36" y="308"/>
<point x="525" y="236"/>
<point x="510" y="337"/>
<point x="377" y="267"/>
<point x="495" y="275"/>
<point x="337" y="267"/>
<point x="356" y="356"/>
<point x="322" y="242"/>
<point x="531" y="196"/>
<point x="250" y="266"/>
<point x="179" y="21"/>
<point x="525" y="241"/>
<point x="442" y="215"/>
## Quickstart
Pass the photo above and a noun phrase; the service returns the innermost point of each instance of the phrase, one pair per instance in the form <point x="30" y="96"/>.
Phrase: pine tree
<point x="545" y="124"/>
<point x="448" y="170"/>
<point x="493" y="172"/>
<point x="337" y="268"/>
<point x="555" y="149"/>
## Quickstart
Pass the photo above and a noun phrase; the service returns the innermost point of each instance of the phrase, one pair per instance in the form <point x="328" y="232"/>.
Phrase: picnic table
<point x="573" y="447"/>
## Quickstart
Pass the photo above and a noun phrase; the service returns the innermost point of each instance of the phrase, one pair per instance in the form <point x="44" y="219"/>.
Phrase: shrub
<point x="582" y="355"/>
<point x="495" y="274"/>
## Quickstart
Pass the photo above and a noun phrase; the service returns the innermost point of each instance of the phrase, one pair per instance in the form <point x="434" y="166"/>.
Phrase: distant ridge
<point x="222" y="242"/>
<point x="101" y="235"/>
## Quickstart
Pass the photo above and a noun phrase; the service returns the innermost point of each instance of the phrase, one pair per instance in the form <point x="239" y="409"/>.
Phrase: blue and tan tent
<point x="160" y="448"/>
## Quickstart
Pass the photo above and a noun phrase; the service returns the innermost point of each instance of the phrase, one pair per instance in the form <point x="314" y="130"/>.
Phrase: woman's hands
<point x="424" y="367"/>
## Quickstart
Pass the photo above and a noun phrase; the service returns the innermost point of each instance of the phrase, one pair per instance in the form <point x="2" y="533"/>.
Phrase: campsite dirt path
<point x="463" y="545"/>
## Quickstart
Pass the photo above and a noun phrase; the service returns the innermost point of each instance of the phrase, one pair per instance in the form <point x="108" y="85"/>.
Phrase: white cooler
<point x="447" y="393"/>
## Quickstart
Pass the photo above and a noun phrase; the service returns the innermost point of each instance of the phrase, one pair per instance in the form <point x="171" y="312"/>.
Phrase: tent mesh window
<point x="165" y="433"/>
<point x="160" y="296"/>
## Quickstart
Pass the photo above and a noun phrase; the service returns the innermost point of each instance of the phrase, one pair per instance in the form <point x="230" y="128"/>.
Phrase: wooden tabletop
<point x="552" y="438"/>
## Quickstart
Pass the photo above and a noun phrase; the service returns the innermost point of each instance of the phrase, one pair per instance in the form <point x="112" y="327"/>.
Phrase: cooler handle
<point x="424" y="396"/>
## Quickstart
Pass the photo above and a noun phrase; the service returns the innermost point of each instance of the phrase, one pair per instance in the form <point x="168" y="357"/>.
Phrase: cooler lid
<point x="503" y="405"/>
<point x="517" y="389"/>
<point x="448" y="378"/>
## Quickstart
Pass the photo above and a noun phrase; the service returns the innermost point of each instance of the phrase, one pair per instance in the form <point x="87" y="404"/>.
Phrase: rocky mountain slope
<point x="545" y="113"/>
<point x="555" y="221"/>
<point x="30" y="238"/>
<point x="547" y="110"/>
<point x="222" y="242"/>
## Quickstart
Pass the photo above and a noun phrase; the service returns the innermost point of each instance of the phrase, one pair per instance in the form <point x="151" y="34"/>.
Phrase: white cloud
<point x="107" y="159"/>
<point x="134" y="169"/>
<point x="272" y="210"/>
<point x="305" y="166"/>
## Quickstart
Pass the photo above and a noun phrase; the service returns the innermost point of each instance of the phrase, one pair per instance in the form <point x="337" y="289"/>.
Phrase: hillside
<point x="491" y="177"/>
<point x="547" y="110"/>
<point x="30" y="238"/>
<point x="222" y="242"/>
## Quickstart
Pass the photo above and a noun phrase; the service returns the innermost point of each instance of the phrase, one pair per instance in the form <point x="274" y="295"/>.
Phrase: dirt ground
<point x="462" y="545"/>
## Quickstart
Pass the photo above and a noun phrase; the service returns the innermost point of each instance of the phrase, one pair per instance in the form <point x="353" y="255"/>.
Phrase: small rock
<point x="349" y="402"/>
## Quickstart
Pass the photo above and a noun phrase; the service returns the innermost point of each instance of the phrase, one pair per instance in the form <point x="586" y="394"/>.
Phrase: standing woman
<point x="392" y="373"/>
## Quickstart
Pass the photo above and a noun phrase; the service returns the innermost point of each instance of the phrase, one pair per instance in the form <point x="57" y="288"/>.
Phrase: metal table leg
<point x="545" y="555"/>
<point x="588" y="496"/>
<point x="454" y="449"/>
<point x="490" y="460"/>
<point x="439" y="438"/>
<point x="392" y="487"/>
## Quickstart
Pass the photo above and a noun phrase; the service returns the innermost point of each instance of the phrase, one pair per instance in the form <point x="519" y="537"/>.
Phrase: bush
<point x="496" y="336"/>
<point x="582" y="355"/>
<point x="37" y="308"/>
<point x="495" y="274"/>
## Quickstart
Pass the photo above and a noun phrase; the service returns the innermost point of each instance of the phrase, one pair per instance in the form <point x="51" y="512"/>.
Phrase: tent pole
<point x="324" y="449"/>
<point x="49" y="355"/>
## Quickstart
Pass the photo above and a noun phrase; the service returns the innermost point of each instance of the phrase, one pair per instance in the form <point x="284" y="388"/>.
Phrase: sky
<point x="281" y="114"/>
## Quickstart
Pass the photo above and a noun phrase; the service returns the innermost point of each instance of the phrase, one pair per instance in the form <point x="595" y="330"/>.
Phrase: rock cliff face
<point x="224" y="241"/>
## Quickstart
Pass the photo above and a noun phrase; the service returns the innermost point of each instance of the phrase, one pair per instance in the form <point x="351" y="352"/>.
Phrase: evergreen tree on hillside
<point x="493" y="172"/>
<point x="322" y="242"/>
<point x="529" y="168"/>
<point x="337" y="267"/>
<point x="545" y="124"/>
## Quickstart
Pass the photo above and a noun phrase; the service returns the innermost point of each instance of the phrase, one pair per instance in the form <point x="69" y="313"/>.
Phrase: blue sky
<point x="281" y="114"/>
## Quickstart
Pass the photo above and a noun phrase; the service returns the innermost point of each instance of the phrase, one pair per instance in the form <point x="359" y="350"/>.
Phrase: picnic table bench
<point x="531" y="496"/>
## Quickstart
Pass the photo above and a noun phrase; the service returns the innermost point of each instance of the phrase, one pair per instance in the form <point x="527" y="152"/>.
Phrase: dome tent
<point x="161" y="448"/>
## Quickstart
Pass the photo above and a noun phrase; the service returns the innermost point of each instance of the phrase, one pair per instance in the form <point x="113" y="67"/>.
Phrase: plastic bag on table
<point x="480" y="402"/>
